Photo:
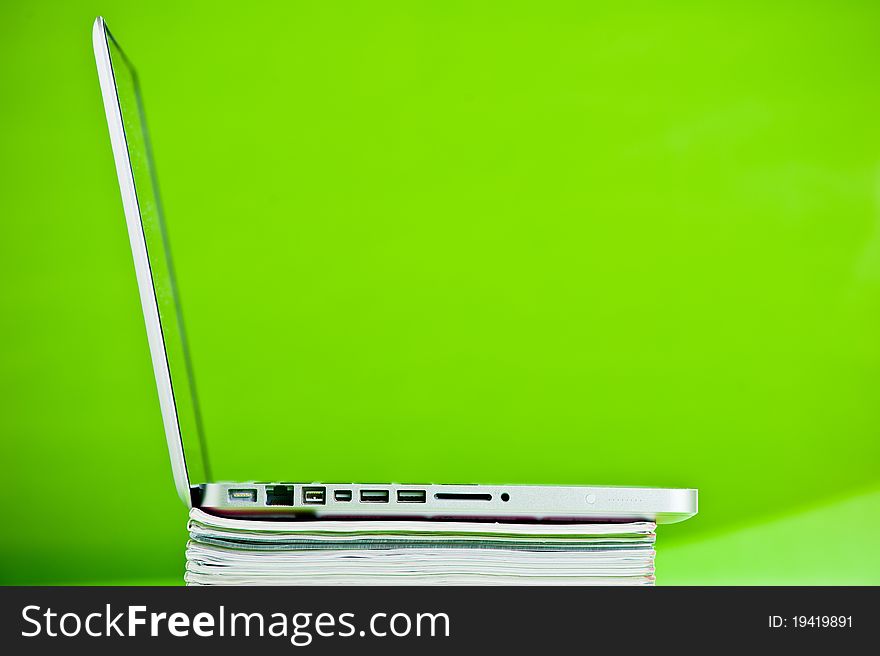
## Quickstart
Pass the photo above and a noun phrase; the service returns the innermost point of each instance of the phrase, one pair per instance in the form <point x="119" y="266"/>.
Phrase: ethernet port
<point x="279" y="495"/>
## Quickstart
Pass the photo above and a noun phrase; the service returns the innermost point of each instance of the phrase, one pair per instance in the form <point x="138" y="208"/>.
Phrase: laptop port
<point x="342" y="495"/>
<point x="314" y="495"/>
<point x="460" y="496"/>
<point x="243" y="496"/>
<point x="411" y="496"/>
<point x="279" y="495"/>
<point x="374" y="496"/>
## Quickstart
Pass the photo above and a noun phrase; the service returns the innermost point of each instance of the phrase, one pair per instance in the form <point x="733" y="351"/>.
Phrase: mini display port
<point x="243" y="496"/>
<point x="342" y="495"/>
<point x="411" y="496"/>
<point x="374" y="496"/>
<point x="279" y="495"/>
<point x="314" y="495"/>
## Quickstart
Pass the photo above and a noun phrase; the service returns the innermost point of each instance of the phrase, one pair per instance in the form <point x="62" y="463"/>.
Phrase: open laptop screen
<point x="161" y="269"/>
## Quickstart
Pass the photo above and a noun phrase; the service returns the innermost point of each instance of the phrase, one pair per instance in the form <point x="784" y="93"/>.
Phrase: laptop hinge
<point x="196" y="493"/>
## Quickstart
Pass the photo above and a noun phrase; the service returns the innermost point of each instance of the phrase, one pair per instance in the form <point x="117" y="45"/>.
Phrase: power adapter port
<point x="248" y="495"/>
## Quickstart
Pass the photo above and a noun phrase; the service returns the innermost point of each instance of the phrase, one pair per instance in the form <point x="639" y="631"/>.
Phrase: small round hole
<point x="505" y="497"/>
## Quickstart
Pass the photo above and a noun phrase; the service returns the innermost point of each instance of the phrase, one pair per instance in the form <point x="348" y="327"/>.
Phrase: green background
<point x="549" y="242"/>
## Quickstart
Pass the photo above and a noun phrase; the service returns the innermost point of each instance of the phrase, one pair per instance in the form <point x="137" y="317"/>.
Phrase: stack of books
<point x="225" y="551"/>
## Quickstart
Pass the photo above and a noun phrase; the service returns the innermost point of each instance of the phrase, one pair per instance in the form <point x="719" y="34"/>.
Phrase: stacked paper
<point x="224" y="551"/>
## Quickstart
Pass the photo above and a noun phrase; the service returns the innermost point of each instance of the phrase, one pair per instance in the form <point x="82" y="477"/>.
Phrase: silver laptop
<point x="179" y="404"/>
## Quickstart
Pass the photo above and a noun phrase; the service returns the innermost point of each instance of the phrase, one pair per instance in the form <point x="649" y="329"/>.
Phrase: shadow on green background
<point x="453" y="242"/>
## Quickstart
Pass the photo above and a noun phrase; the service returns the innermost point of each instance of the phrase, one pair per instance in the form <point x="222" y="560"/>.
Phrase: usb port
<point x="314" y="495"/>
<point x="411" y="496"/>
<point x="342" y="495"/>
<point x="374" y="496"/>
<point x="248" y="496"/>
